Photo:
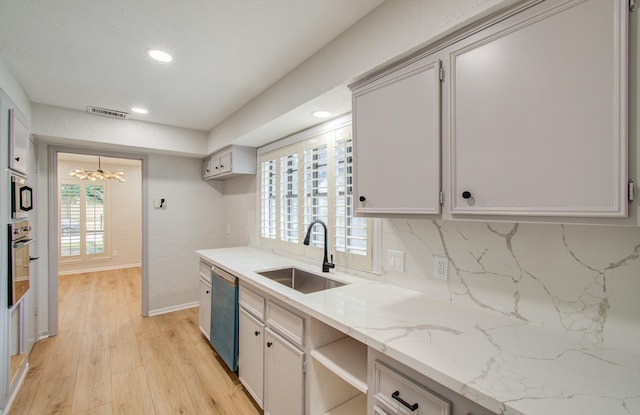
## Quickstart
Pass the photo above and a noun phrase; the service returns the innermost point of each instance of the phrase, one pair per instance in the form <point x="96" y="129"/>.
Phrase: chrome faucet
<point x="325" y="263"/>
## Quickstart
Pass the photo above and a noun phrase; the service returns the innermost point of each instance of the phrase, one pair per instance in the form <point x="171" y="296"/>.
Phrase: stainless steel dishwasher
<point x="224" y="316"/>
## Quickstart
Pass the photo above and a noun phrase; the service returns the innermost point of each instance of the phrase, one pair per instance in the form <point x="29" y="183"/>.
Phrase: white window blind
<point x="316" y="192"/>
<point x="268" y="199"/>
<point x="308" y="180"/>
<point x="351" y="232"/>
<point x="82" y="220"/>
<point x="289" y="198"/>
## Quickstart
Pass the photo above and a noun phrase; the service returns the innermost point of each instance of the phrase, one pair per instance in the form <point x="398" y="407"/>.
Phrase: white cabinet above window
<point x="397" y="140"/>
<point x="229" y="162"/>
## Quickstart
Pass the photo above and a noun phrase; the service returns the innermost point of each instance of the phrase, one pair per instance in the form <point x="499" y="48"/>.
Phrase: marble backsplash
<point x="578" y="279"/>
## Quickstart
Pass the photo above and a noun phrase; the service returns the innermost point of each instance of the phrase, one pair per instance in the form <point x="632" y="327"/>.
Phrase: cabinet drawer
<point x="285" y="322"/>
<point x="402" y="395"/>
<point x="205" y="270"/>
<point x="252" y="302"/>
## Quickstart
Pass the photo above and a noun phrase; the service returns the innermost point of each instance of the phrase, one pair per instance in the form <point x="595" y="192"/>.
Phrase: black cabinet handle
<point x="221" y="166"/>
<point x="17" y="159"/>
<point x="257" y="333"/>
<point x="269" y="344"/>
<point x="34" y="258"/>
<point x="362" y="198"/>
<point x="396" y="395"/>
<point x="466" y="194"/>
<point x="208" y="291"/>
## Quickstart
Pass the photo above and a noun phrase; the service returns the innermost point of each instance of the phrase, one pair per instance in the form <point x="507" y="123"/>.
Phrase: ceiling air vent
<point x="108" y="113"/>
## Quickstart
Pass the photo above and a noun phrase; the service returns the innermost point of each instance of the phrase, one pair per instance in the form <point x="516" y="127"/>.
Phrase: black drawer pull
<point x="396" y="395"/>
<point x="257" y="333"/>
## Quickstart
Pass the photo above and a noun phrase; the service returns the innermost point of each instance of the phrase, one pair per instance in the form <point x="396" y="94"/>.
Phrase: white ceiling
<point x="75" y="53"/>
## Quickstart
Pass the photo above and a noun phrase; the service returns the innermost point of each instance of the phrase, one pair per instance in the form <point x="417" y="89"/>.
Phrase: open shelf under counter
<point x="346" y="358"/>
<point x="355" y="405"/>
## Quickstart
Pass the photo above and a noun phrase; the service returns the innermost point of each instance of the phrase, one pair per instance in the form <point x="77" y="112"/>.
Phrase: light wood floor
<point x="107" y="359"/>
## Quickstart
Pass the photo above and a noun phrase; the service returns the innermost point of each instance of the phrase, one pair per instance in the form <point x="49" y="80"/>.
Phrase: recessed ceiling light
<point x="321" y="114"/>
<point x="159" y="55"/>
<point x="140" y="110"/>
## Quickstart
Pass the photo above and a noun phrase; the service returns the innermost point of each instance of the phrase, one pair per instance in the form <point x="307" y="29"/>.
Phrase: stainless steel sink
<point x="300" y="280"/>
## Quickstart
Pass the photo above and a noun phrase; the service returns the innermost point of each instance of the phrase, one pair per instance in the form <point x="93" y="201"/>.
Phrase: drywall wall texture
<point x="71" y="127"/>
<point x="582" y="280"/>
<point x="239" y="200"/>
<point x="124" y="216"/>
<point x="190" y="220"/>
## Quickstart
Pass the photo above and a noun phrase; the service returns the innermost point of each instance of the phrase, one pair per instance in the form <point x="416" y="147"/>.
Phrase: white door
<point x="538" y="113"/>
<point x="251" y="346"/>
<point x="284" y="377"/>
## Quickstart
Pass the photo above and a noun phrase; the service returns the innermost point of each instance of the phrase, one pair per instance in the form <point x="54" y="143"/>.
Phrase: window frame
<point x="331" y="134"/>
<point x="83" y="256"/>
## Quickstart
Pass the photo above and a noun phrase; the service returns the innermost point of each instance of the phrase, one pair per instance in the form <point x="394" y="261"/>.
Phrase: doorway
<point x="94" y="224"/>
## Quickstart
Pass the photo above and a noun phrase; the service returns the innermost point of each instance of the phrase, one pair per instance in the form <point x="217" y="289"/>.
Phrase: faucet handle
<point x="331" y="264"/>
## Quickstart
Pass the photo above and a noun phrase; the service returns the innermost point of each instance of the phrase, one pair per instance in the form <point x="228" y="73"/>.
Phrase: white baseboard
<point x="173" y="308"/>
<point x="98" y="269"/>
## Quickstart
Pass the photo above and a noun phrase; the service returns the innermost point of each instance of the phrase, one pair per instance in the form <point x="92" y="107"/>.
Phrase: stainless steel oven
<point x="21" y="197"/>
<point x="19" y="260"/>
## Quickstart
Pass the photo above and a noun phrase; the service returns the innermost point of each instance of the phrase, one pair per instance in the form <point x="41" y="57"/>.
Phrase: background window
<point x="308" y="180"/>
<point x="82" y="220"/>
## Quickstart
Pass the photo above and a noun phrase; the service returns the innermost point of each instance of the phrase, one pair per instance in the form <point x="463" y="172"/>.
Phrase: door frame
<point x="53" y="224"/>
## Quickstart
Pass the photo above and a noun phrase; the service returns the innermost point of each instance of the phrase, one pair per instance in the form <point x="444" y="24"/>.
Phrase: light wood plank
<point x="131" y="394"/>
<point x="108" y="359"/>
<point x="93" y="385"/>
<point x="55" y="397"/>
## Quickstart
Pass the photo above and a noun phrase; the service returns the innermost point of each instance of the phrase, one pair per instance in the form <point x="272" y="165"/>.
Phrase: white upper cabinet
<point x="396" y="125"/>
<point x="538" y="113"/>
<point x="16" y="127"/>
<point x="229" y="162"/>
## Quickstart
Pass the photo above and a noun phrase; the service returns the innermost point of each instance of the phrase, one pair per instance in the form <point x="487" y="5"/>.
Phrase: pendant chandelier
<point x="99" y="174"/>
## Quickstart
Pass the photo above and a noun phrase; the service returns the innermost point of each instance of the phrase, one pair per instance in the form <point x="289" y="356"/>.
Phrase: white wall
<point x="192" y="220"/>
<point x="124" y="223"/>
<point x="239" y="200"/>
<point x="12" y="87"/>
<point x="70" y="127"/>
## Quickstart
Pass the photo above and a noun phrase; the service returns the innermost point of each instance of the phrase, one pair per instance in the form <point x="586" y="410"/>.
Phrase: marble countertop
<point x="505" y="365"/>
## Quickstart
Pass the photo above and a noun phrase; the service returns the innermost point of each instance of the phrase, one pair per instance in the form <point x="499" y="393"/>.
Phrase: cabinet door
<point x="538" y="113"/>
<point x="207" y="168"/>
<point x="397" y="141"/>
<point x="251" y="355"/>
<point x="18" y="141"/>
<point x="225" y="162"/>
<point x="284" y="378"/>
<point x="204" y="312"/>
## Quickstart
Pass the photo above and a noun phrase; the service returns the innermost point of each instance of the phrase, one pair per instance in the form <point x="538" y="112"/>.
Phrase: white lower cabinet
<point x="251" y="355"/>
<point x="395" y="389"/>
<point x="204" y="296"/>
<point x="284" y="376"/>
<point x="204" y="312"/>
<point x="270" y="365"/>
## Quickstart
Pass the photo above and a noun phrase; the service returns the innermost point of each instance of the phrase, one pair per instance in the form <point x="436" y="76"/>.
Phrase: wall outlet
<point x="395" y="261"/>
<point x="440" y="268"/>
